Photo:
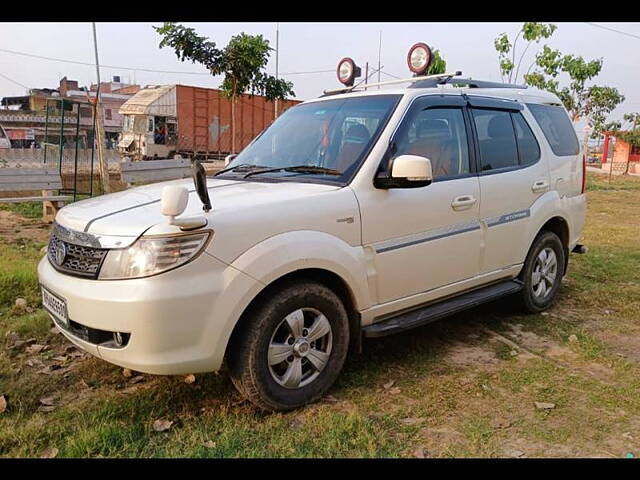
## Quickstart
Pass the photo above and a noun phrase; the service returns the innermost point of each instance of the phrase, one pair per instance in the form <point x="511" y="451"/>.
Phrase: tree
<point x="242" y="62"/>
<point x="438" y="64"/>
<point x="531" y="32"/>
<point x="633" y="119"/>
<point x="633" y="134"/>
<point x="612" y="126"/>
<point x="593" y="102"/>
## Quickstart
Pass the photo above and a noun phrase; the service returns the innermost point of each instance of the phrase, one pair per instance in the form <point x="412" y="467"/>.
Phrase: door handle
<point x="539" y="186"/>
<point x="463" y="202"/>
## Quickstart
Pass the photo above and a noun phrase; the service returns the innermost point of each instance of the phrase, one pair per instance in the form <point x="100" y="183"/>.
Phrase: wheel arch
<point x="325" y="277"/>
<point x="560" y="226"/>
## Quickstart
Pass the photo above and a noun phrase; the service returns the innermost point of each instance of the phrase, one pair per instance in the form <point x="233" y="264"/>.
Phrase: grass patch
<point x="26" y="209"/>
<point x="481" y="405"/>
<point x="18" y="277"/>
<point x="600" y="182"/>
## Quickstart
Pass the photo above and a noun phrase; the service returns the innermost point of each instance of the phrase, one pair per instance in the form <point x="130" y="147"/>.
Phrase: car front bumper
<point x="179" y="321"/>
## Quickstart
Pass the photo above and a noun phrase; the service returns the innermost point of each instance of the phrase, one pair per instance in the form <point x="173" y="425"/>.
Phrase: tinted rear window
<point x="496" y="139"/>
<point x="557" y="128"/>
<point x="527" y="143"/>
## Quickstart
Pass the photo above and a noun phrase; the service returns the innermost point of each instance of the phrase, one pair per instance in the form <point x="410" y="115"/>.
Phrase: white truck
<point x="358" y="214"/>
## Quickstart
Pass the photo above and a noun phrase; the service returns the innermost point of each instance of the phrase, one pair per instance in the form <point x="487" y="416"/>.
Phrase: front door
<point x="427" y="237"/>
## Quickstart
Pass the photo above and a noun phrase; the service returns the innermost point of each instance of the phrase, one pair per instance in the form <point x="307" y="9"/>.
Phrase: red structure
<point x="623" y="151"/>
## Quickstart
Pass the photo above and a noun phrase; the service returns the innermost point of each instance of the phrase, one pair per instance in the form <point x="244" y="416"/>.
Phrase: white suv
<point x="362" y="213"/>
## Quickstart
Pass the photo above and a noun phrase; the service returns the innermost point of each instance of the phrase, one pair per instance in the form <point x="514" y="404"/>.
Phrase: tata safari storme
<point x="362" y="213"/>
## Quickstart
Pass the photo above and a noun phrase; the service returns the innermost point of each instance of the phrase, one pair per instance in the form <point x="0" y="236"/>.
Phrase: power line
<point x="312" y="71"/>
<point x="391" y="75"/>
<point x="53" y="59"/>
<point x="613" y="30"/>
<point x="138" y="69"/>
<point x="13" y="81"/>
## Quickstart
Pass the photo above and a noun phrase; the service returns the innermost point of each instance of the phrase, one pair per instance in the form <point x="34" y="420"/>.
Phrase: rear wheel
<point x="542" y="272"/>
<point x="291" y="348"/>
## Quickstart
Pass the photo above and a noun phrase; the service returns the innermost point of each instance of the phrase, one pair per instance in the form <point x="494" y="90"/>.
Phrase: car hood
<point x="131" y="212"/>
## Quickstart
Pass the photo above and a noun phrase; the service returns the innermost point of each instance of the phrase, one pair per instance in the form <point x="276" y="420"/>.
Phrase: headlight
<point x="152" y="255"/>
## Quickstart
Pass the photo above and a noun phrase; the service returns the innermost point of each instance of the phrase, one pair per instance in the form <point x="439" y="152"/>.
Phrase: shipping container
<point x="161" y="121"/>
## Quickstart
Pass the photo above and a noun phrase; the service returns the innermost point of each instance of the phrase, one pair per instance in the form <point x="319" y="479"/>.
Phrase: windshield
<point x="326" y="139"/>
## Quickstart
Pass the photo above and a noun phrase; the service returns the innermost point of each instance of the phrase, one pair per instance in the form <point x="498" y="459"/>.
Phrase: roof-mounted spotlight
<point x="347" y="71"/>
<point x="419" y="58"/>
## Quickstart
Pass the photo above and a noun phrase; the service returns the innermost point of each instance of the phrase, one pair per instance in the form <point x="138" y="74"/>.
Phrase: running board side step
<point x="433" y="312"/>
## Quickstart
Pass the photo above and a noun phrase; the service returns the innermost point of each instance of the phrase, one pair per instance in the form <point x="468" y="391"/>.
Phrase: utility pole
<point x="379" y="52"/>
<point x="275" y="115"/>
<point x="366" y="74"/>
<point x="99" y="130"/>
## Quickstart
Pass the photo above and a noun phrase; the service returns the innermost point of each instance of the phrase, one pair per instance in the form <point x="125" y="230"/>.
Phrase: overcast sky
<point x="304" y="47"/>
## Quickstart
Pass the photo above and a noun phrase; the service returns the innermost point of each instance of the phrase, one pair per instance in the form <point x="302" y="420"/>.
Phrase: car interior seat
<point x="355" y="139"/>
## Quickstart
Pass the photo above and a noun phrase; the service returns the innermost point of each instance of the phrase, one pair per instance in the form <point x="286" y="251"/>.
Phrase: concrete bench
<point x="155" y="170"/>
<point x="30" y="179"/>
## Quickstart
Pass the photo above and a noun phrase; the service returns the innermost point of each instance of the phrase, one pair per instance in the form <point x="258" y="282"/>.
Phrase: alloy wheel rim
<point x="300" y="348"/>
<point x="545" y="271"/>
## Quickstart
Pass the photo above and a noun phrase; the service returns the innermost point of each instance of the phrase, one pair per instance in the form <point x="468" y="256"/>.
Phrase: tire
<point x="291" y="346"/>
<point x="540" y="290"/>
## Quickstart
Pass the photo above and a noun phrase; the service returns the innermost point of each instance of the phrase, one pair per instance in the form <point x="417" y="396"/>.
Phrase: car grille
<point x="75" y="259"/>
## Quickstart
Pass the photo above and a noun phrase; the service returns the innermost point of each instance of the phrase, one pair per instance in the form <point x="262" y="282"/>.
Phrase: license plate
<point x="55" y="306"/>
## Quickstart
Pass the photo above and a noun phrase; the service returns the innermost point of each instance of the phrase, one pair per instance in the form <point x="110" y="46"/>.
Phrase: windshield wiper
<point x="313" y="169"/>
<point x="241" y="167"/>
<point x="297" y="169"/>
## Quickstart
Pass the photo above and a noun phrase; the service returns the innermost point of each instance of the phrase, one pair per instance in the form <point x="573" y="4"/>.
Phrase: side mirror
<point x="407" y="171"/>
<point x="173" y="201"/>
<point x="229" y="158"/>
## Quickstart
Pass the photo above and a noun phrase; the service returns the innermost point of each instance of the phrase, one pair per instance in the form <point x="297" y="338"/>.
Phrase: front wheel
<point x="542" y="272"/>
<point x="291" y="347"/>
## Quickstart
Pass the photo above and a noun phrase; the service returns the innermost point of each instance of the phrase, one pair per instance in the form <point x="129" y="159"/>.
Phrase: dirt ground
<point x="14" y="227"/>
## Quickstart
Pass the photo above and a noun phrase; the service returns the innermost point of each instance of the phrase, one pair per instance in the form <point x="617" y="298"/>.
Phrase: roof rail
<point x="468" y="82"/>
<point x="440" y="77"/>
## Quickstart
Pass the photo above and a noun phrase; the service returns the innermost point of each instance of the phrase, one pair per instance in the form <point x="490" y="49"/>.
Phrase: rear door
<point x="512" y="177"/>
<point x="565" y="167"/>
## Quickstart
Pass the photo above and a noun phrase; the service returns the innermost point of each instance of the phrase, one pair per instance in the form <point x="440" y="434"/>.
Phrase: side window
<point x="438" y="134"/>
<point x="528" y="147"/>
<point x="496" y="139"/>
<point x="557" y="128"/>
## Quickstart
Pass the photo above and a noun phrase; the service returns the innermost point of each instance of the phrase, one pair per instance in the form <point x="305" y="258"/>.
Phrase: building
<point x="623" y="151"/>
<point x="112" y="94"/>
<point x="24" y="117"/>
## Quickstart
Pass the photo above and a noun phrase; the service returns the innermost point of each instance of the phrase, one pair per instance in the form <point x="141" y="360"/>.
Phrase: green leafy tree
<point x="531" y="32"/>
<point x="242" y="62"/>
<point x="612" y="126"/>
<point x="632" y="135"/>
<point x="633" y="119"/>
<point x="438" y="64"/>
<point x="593" y="103"/>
